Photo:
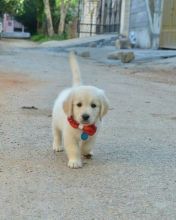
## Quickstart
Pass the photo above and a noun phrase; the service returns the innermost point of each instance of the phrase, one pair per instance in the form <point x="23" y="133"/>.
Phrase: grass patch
<point x="43" y="38"/>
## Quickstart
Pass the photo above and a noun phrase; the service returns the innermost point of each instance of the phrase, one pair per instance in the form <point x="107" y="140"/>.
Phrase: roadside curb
<point x="100" y="40"/>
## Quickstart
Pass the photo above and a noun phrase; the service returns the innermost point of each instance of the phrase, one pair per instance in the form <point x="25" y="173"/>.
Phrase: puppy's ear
<point x="104" y="104"/>
<point x="68" y="105"/>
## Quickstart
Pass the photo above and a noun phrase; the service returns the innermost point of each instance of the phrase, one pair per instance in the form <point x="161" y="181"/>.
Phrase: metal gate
<point x="98" y="17"/>
<point x="168" y="28"/>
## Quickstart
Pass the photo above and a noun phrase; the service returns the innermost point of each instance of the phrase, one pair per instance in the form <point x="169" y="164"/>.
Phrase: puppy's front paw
<point x="57" y="148"/>
<point x="75" y="164"/>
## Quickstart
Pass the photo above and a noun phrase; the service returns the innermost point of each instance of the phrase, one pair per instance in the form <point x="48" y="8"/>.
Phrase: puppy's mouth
<point x="85" y="122"/>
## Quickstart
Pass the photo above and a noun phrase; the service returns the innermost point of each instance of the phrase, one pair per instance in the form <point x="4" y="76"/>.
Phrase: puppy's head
<point x="86" y="104"/>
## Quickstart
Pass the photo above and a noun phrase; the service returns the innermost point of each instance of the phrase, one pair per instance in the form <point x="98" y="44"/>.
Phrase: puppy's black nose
<point x="85" y="117"/>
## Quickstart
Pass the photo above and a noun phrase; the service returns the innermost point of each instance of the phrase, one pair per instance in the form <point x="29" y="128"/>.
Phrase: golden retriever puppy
<point x="76" y="117"/>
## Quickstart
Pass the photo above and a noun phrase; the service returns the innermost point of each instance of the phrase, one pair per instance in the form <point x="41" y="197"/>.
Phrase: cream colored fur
<point x="93" y="103"/>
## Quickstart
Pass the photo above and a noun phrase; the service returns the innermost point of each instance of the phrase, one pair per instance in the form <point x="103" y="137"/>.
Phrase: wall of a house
<point x="8" y="23"/>
<point x="139" y="23"/>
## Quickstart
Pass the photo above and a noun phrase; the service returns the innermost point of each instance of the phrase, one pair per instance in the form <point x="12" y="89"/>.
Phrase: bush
<point x="42" y="38"/>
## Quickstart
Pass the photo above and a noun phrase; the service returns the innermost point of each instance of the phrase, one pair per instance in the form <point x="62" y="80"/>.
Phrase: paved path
<point x="133" y="172"/>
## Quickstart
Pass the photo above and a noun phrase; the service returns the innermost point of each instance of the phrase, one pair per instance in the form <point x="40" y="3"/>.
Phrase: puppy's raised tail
<point x="75" y="69"/>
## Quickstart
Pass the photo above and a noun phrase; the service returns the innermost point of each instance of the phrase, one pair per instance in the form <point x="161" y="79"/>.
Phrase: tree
<point x="63" y="12"/>
<point x="64" y="6"/>
<point x="41" y="16"/>
<point x="32" y="16"/>
<point x="49" y="22"/>
<point x="12" y="7"/>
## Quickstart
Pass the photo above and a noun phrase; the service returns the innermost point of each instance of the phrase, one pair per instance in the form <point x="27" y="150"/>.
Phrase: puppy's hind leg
<point x="57" y="139"/>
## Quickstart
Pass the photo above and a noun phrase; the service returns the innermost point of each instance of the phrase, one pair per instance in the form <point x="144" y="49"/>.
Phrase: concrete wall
<point x="139" y="23"/>
<point x="125" y="17"/>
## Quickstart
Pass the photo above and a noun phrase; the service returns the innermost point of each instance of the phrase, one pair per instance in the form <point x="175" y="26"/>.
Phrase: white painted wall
<point x="139" y="23"/>
<point x="125" y="16"/>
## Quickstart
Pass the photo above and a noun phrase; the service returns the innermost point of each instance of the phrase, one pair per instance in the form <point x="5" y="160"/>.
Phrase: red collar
<point x="88" y="129"/>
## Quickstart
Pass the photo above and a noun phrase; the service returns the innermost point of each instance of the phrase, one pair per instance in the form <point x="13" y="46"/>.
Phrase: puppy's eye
<point x="79" y="104"/>
<point x="93" y="105"/>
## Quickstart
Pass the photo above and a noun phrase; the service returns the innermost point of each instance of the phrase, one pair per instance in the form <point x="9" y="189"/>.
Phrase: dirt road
<point x="133" y="172"/>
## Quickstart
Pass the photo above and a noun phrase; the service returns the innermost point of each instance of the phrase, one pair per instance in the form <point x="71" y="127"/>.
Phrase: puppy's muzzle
<point x="85" y="117"/>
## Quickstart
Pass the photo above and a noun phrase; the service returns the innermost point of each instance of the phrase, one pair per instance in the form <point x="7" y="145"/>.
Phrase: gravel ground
<point x="133" y="172"/>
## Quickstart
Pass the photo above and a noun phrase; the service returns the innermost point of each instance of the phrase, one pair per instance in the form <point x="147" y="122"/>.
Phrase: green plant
<point x="43" y="38"/>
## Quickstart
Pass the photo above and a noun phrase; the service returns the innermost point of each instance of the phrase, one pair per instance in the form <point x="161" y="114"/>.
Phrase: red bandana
<point x="88" y="129"/>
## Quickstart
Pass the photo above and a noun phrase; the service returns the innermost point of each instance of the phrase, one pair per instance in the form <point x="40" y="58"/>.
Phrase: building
<point x="12" y="28"/>
<point x="152" y="22"/>
<point x="11" y="25"/>
<point x="148" y="23"/>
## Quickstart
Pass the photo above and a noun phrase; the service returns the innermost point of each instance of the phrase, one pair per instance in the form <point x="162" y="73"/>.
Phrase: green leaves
<point x="31" y="13"/>
<point x="12" y="7"/>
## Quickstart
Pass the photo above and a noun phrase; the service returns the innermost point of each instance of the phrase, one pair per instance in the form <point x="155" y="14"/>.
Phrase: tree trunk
<point x="63" y="13"/>
<point x="49" y="22"/>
